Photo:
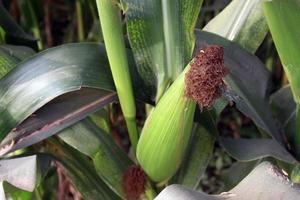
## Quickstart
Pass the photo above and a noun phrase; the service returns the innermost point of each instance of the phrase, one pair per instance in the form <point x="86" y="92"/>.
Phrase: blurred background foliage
<point x="56" y="22"/>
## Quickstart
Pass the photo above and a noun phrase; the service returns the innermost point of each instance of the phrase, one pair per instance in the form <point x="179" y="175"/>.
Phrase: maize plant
<point x="142" y="100"/>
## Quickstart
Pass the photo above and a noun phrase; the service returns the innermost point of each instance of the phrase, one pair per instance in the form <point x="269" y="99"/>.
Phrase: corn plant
<point x="139" y="99"/>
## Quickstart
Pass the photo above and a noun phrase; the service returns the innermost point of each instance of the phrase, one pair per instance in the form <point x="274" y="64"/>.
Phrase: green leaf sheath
<point x="162" y="39"/>
<point x="115" y="47"/>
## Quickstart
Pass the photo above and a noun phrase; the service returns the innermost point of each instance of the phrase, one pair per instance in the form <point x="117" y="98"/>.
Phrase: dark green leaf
<point x="285" y="109"/>
<point x="109" y="160"/>
<point x="196" y="158"/>
<point x="254" y="149"/>
<point x="161" y="36"/>
<point x="236" y="173"/>
<point x="52" y="73"/>
<point x="80" y="170"/>
<point x="55" y="116"/>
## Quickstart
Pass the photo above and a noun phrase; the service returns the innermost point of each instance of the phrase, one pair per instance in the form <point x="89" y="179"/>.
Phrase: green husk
<point x="166" y="133"/>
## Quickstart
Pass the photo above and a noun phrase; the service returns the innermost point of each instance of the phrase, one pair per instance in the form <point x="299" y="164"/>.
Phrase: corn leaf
<point x="58" y="114"/>
<point x="266" y="181"/>
<point x="196" y="158"/>
<point x="54" y="72"/>
<point x="47" y="75"/>
<point x="237" y="172"/>
<point x="284" y="108"/>
<point x="161" y="37"/>
<point x="254" y="149"/>
<point x="89" y="184"/>
<point x="109" y="160"/>
<point x="242" y="22"/>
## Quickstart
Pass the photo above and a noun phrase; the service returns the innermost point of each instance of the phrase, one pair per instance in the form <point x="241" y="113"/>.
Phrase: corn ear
<point x="166" y="133"/>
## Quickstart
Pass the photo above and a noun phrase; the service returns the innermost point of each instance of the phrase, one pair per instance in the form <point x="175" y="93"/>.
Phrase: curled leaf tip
<point x="204" y="80"/>
<point x="134" y="181"/>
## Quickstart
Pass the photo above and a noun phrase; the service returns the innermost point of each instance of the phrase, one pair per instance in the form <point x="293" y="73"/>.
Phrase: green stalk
<point x="2" y="35"/>
<point x="297" y="133"/>
<point x="113" y="37"/>
<point x="80" y="28"/>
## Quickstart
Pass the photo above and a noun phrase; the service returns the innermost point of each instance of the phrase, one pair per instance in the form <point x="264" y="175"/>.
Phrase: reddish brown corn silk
<point x="204" y="80"/>
<point x="134" y="180"/>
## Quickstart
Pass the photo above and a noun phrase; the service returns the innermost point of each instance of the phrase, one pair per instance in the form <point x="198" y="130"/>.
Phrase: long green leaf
<point x="161" y="36"/>
<point x="54" y="72"/>
<point x="196" y="158"/>
<point x="109" y="160"/>
<point x="285" y="109"/>
<point x="47" y="75"/>
<point x="254" y="149"/>
<point x="236" y="173"/>
<point x="241" y="21"/>
<point x="58" y="114"/>
<point x="80" y="170"/>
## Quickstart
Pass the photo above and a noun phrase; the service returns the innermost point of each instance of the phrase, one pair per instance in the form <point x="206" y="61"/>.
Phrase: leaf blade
<point x="253" y="149"/>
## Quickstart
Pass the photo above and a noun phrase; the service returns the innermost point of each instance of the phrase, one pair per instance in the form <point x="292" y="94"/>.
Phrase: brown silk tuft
<point x="134" y="181"/>
<point x="204" y="80"/>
